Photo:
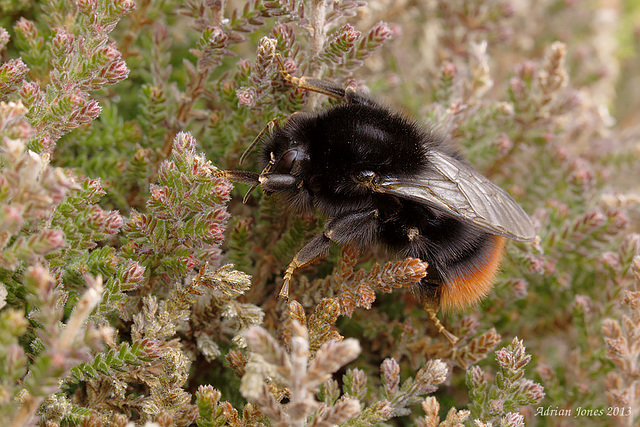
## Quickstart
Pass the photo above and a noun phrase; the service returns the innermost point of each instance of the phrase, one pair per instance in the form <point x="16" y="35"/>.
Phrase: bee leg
<point x="428" y="293"/>
<point x="274" y="182"/>
<point x="353" y="227"/>
<point x="433" y="315"/>
<point x="244" y="177"/>
<point x="324" y="87"/>
<point x="273" y="124"/>
<point x="317" y="247"/>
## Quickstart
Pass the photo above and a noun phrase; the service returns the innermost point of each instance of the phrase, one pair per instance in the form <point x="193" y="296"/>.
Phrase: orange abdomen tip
<point x="472" y="281"/>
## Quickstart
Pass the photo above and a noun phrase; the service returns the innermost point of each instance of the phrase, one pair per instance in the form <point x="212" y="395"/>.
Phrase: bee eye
<point x="285" y="164"/>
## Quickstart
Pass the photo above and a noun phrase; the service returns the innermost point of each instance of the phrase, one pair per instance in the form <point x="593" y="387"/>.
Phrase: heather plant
<point x="137" y="288"/>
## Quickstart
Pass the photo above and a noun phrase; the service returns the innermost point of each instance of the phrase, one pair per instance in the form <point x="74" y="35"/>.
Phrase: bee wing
<point x="459" y="189"/>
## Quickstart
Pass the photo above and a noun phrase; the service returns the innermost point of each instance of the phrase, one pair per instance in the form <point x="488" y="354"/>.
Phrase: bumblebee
<point x="381" y="178"/>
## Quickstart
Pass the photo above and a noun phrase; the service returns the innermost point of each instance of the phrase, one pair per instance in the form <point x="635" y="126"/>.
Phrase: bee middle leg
<point x="353" y="227"/>
<point x="313" y="250"/>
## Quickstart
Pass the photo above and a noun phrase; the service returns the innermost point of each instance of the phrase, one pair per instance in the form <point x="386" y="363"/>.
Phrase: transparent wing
<point x="457" y="188"/>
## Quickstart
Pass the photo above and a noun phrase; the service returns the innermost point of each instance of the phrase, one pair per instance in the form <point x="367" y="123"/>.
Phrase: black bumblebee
<point x="379" y="177"/>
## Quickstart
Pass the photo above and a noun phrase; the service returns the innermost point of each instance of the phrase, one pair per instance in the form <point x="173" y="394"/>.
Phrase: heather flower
<point x="301" y="375"/>
<point x="4" y="38"/>
<point x="113" y="219"/>
<point x="492" y="402"/>
<point x="11" y="74"/>
<point x="246" y="96"/>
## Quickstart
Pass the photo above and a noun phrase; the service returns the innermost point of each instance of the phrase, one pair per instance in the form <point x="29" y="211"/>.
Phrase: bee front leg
<point x="276" y="182"/>
<point x="244" y="177"/>
<point x="325" y="87"/>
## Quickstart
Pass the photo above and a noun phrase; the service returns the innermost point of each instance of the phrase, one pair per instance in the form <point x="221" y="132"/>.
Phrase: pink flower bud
<point x="496" y="406"/>
<point x="62" y="43"/>
<point x="382" y="32"/>
<point x="244" y="66"/>
<point x="165" y="170"/>
<point x="582" y="173"/>
<point x="513" y="419"/>
<point x="95" y="218"/>
<point x="189" y="262"/>
<point x="31" y="94"/>
<point x="87" y="7"/>
<point x="526" y="70"/>
<point x="546" y="372"/>
<point x="152" y="347"/>
<point x="246" y="96"/>
<point x="290" y="66"/>
<point x="611" y="259"/>
<point x="504" y="358"/>
<point x="391" y="375"/>
<point x="593" y="219"/>
<point x="11" y="74"/>
<point x="476" y="377"/>
<point x="535" y="264"/>
<point x="11" y="216"/>
<point x="533" y="392"/>
<point x="136" y="223"/>
<point x="217" y="37"/>
<point x="113" y="223"/>
<point x="469" y="324"/>
<point x="108" y="54"/>
<point x="115" y="72"/>
<point x="46" y="241"/>
<point x="222" y="190"/>
<point x="133" y="275"/>
<point x="504" y="144"/>
<point x="518" y="87"/>
<point x="349" y="34"/>
<point x="184" y="143"/>
<point x="86" y="114"/>
<point x="26" y="29"/>
<point x="208" y="396"/>
<point x="449" y="70"/>
<point x="519" y="289"/>
<point x="583" y="303"/>
<point x="4" y="38"/>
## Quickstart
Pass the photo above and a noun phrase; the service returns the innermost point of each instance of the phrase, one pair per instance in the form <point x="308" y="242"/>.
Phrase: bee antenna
<point x="270" y="126"/>
<point x="249" y="191"/>
<point x="266" y="170"/>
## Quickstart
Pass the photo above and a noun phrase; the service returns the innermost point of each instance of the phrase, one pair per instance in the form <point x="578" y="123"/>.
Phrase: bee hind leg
<point x="433" y="315"/>
<point x="429" y="297"/>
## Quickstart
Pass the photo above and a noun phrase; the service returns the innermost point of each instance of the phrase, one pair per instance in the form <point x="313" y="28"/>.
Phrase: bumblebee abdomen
<point x="463" y="259"/>
<point x="469" y="280"/>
